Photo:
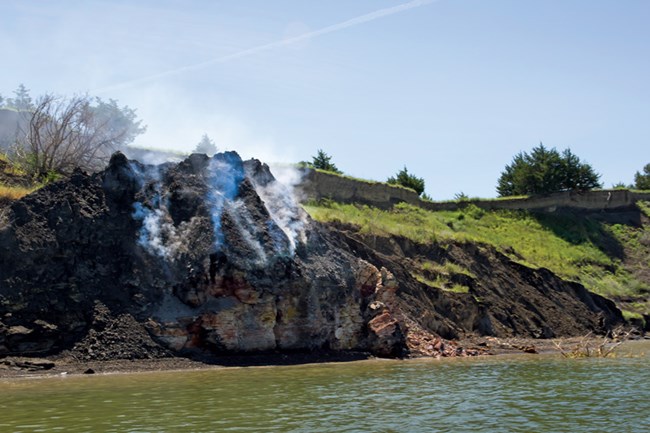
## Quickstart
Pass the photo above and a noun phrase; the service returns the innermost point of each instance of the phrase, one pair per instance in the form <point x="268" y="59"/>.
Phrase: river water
<point x="529" y="393"/>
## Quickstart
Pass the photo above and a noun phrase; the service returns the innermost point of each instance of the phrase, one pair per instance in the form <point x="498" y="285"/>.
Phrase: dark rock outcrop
<point x="208" y="255"/>
<point x="500" y="297"/>
<point x="213" y="256"/>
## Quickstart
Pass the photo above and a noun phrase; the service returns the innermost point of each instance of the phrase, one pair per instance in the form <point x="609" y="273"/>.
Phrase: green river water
<point x="535" y="393"/>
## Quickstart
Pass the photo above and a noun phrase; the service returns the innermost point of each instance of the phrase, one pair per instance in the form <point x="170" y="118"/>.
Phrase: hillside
<point x="607" y="253"/>
<point x="212" y="256"/>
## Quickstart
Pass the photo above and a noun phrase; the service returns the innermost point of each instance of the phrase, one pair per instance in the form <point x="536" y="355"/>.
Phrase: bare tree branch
<point x="64" y="133"/>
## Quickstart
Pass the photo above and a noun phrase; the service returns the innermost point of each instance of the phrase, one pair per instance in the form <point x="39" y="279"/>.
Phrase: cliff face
<point x="458" y="290"/>
<point x="208" y="255"/>
<point x="212" y="255"/>
<point x="318" y="185"/>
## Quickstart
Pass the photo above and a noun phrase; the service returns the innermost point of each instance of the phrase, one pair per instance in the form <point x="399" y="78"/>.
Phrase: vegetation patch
<point x="644" y="206"/>
<point x="590" y="347"/>
<point x="14" y="181"/>
<point x="572" y="246"/>
<point x="8" y="192"/>
<point x="632" y="316"/>
<point x="446" y="268"/>
<point x="442" y="275"/>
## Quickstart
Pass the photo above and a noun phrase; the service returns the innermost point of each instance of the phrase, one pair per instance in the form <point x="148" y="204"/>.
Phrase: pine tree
<point x="22" y="101"/>
<point x="323" y="161"/>
<point x="408" y="180"/>
<point x="206" y="145"/>
<point x="545" y="171"/>
<point x="642" y="180"/>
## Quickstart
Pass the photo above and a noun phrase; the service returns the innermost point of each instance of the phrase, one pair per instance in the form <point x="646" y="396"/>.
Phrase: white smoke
<point x="247" y="229"/>
<point x="157" y="234"/>
<point x="280" y="199"/>
<point x="160" y="237"/>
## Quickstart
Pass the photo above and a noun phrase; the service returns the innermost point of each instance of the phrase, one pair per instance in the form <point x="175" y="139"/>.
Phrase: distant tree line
<point x="540" y="171"/>
<point x="55" y="134"/>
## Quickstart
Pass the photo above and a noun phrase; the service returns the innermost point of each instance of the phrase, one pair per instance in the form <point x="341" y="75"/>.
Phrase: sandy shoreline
<point x="23" y="367"/>
<point x="27" y="367"/>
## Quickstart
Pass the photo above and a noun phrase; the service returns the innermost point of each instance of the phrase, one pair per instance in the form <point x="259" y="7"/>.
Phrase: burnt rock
<point x="208" y="256"/>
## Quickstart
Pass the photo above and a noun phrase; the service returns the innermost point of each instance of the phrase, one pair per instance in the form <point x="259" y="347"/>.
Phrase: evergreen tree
<point x="22" y="101"/>
<point x="323" y="161"/>
<point x="408" y="180"/>
<point x="117" y="126"/>
<point x="545" y="171"/>
<point x="206" y="145"/>
<point x="642" y="180"/>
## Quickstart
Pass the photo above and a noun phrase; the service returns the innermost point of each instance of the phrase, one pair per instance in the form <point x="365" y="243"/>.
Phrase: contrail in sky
<point x="362" y="19"/>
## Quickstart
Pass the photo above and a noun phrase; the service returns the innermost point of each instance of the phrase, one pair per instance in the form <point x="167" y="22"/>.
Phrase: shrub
<point x="404" y="178"/>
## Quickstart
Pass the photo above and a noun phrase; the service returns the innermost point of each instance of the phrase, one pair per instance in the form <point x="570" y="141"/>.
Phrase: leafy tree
<point x="2" y="100"/>
<point x="642" y="180"/>
<point x="408" y="180"/>
<point x="544" y="171"/>
<point x="206" y="145"/>
<point x="64" y="133"/>
<point x="118" y="126"/>
<point x="323" y="161"/>
<point x="22" y="101"/>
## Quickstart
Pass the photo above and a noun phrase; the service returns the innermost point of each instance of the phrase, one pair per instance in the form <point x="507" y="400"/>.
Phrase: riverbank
<point x="63" y="365"/>
<point x="521" y="392"/>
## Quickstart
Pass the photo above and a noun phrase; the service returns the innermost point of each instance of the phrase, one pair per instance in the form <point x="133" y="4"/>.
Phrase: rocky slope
<point x="213" y="256"/>
<point x="462" y="290"/>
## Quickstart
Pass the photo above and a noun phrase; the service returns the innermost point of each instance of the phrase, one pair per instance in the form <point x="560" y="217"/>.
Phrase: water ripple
<point x="540" y="394"/>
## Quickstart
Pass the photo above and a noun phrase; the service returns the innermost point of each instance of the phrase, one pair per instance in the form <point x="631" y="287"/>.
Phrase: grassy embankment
<point x="10" y="191"/>
<point x="606" y="258"/>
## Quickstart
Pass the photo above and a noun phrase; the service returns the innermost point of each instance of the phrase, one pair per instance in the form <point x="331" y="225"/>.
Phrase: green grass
<point x="644" y="206"/>
<point x="573" y="247"/>
<point x="446" y="268"/>
<point x="631" y="315"/>
<point x="439" y="275"/>
<point x="440" y="282"/>
<point x="483" y="199"/>
<point x="369" y="182"/>
<point x="15" y="192"/>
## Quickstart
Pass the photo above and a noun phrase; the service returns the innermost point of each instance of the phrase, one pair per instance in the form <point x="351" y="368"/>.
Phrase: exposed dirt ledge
<point x="19" y="367"/>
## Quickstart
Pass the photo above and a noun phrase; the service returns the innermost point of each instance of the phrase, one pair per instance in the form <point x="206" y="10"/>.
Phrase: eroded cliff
<point x="213" y="256"/>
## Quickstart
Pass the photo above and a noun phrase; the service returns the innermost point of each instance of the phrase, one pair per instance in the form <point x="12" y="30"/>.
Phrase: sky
<point x="450" y="89"/>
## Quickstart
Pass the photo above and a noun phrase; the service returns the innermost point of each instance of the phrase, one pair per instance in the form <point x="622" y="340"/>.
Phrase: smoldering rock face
<point x="252" y="216"/>
<point x="210" y="254"/>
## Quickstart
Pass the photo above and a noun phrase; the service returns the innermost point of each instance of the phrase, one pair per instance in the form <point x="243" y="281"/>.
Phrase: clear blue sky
<point x="451" y="88"/>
